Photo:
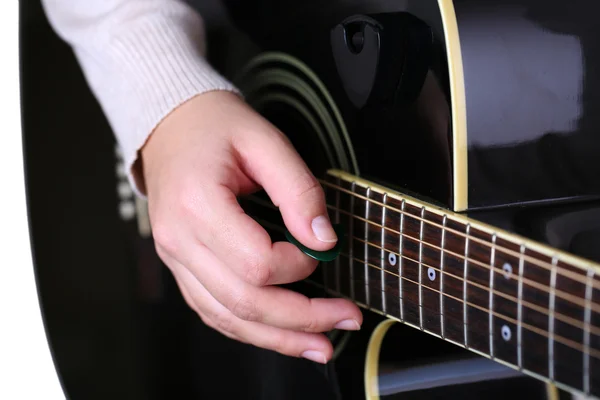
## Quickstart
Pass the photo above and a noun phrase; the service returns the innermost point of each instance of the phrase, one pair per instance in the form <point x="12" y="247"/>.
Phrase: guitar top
<point x="457" y="143"/>
<point x="511" y="107"/>
<point x="482" y="113"/>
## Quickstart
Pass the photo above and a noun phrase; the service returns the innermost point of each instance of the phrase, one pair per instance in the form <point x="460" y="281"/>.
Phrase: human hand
<point x="198" y="160"/>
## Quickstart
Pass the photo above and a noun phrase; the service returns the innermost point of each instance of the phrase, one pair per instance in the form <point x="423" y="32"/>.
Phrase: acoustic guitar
<point x="457" y="144"/>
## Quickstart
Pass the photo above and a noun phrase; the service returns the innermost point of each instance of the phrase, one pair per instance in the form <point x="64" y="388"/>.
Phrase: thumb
<point x="271" y="160"/>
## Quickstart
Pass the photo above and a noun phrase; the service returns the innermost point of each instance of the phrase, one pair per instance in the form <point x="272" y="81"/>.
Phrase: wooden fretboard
<point x="505" y="297"/>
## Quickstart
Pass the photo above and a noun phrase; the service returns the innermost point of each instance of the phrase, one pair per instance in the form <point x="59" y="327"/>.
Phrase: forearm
<point x="141" y="59"/>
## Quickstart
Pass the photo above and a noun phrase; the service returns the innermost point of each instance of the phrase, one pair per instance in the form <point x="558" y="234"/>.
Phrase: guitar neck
<point x="502" y="296"/>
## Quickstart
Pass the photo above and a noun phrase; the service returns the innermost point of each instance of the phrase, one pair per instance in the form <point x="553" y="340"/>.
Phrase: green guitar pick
<point x="328" y="255"/>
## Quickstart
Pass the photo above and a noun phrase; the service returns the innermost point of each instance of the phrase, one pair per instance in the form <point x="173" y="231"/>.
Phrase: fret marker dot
<point x="431" y="274"/>
<point x="507" y="270"/>
<point x="392" y="258"/>
<point x="506" y="333"/>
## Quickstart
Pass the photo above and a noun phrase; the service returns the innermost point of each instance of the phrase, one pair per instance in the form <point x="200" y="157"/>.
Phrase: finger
<point x="186" y="286"/>
<point x="270" y="305"/>
<point x="313" y="346"/>
<point x="271" y="160"/>
<point x="243" y="245"/>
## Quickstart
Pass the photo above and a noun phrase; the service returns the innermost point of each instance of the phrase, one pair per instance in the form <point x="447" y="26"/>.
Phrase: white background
<point x="26" y="367"/>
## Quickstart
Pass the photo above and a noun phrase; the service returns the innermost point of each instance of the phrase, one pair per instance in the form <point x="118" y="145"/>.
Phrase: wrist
<point x="168" y="137"/>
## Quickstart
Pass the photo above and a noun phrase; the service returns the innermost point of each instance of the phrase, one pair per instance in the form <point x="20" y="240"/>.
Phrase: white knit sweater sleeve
<point x="141" y="59"/>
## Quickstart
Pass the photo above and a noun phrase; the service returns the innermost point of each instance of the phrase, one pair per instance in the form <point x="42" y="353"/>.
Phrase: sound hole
<point x="413" y="370"/>
<point x="291" y="96"/>
<point x="301" y="134"/>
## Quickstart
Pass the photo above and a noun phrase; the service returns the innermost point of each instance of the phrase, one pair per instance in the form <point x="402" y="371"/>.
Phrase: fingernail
<point x="348" y="325"/>
<point x="323" y="230"/>
<point x="315" y="356"/>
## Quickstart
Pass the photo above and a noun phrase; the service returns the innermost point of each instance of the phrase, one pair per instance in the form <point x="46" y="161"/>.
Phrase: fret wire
<point x="465" y="277"/>
<point x="491" y="301"/>
<point x="520" y="309"/>
<point x="551" y="310"/>
<point x="367" y="292"/>
<point x="505" y="362"/>
<point x="350" y="247"/>
<point x="529" y="282"/>
<point x="421" y="270"/>
<point x="570" y="343"/>
<point x="442" y="274"/>
<point x="586" y="331"/>
<point x="569" y="320"/>
<point x="337" y="221"/>
<point x="560" y="385"/>
<point x="532" y="260"/>
<point x="561" y="294"/>
<point x="401" y="262"/>
<point x="564" y="318"/>
<point x="383" y="301"/>
<point x="567" y="342"/>
<point x="395" y="316"/>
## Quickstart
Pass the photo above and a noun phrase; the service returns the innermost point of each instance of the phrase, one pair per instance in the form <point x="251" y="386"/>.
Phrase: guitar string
<point x="564" y="318"/>
<point x="557" y="338"/>
<point x="546" y="265"/>
<point x="535" y="354"/>
<point x="543" y="264"/>
<point x="559" y="293"/>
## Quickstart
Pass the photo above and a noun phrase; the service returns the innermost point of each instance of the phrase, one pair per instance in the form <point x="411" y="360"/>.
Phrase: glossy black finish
<point x="532" y="81"/>
<point x="117" y="332"/>
<point x="532" y="78"/>
<point x="393" y="96"/>
<point x="85" y="269"/>
<point x="572" y="227"/>
<point x="116" y="323"/>
<point x="532" y="183"/>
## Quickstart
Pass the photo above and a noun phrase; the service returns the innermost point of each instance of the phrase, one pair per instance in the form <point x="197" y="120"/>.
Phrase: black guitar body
<point x="488" y="108"/>
<point x="523" y="158"/>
